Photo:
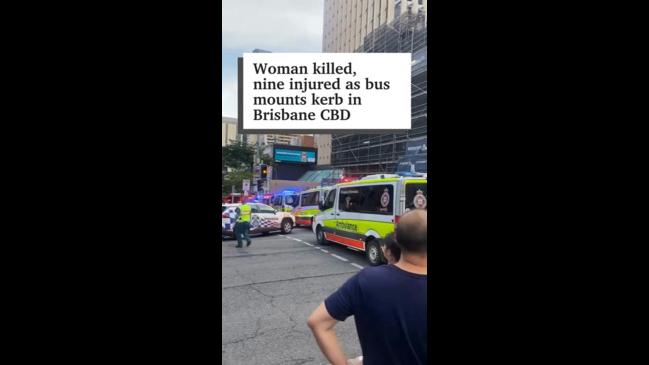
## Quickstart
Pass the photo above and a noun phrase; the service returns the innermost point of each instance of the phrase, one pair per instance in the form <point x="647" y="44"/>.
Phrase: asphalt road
<point x="270" y="288"/>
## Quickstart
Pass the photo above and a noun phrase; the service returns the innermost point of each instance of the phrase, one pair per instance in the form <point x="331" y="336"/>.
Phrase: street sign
<point x="246" y="185"/>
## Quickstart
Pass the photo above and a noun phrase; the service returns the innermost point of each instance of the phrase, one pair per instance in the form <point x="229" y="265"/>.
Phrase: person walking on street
<point x="242" y="227"/>
<point x="393" y="332"/>
<point x="233" y="220"/>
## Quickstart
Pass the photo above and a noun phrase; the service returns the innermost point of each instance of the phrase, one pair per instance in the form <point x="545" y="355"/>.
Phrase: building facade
<point x="348" y="22"/>
<point x="323" y="144"/>
<point x="290" y="139"/>
<point x="228" y="131"/>
<point x="379" y="26"/>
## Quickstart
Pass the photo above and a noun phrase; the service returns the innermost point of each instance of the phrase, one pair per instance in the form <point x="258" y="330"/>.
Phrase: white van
<point x="360" y="213"/>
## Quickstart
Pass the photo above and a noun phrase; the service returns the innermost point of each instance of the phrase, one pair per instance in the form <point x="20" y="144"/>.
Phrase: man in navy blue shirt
<point x="388" y="304"/>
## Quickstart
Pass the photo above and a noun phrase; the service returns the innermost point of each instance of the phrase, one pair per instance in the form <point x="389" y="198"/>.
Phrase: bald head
<point x="412" y="231"/>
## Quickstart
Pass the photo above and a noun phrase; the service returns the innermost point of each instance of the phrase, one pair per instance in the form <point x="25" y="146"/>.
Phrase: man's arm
<point x="322" y="325"/>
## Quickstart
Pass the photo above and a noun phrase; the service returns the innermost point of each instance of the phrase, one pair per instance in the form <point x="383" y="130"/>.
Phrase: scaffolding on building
<point x="361" y="154"/>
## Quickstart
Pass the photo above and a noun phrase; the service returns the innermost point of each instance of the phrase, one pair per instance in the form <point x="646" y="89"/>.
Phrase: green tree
<point x="237" y="158"/>
<point x="268" y="160"/>
<point x="238" y="155"/>
<point x="235" y="177"/>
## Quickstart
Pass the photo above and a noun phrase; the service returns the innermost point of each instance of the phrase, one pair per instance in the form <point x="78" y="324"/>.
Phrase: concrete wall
<point x="323" y="144"/>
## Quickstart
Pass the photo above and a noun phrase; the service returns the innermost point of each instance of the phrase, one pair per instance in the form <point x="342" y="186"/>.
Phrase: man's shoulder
<point x="374" y="272"/>
<point x="383" y="271"/>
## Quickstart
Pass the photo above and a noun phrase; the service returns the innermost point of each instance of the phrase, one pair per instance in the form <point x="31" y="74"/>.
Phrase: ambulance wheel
<point x="320" y="237"/>
<point x="287" y="226"/>
<point x="373" y="252"/>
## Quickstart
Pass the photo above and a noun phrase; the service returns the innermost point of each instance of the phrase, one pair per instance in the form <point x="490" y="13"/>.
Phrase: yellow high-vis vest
<point x="245" y="213"/>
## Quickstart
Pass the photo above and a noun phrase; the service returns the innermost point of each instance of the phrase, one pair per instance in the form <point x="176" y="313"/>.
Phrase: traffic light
<point x="264" y="171"/>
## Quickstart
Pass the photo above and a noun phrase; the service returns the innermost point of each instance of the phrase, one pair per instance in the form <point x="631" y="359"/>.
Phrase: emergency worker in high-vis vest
<point x="242" y="227"/>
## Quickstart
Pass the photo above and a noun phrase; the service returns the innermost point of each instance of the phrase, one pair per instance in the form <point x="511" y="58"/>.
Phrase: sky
<point x="271" y="25"/>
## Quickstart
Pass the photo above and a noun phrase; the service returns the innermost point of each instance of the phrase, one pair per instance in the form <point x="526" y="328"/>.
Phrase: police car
<point x="263" y="219"/>
<point x="360" y="213"/>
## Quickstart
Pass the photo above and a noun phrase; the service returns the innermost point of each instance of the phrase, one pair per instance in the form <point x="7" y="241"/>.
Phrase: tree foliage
<point x="235" y="177"/>
<point x="237" y="158"/>
<point x="266" y="159"/>
<point x="238" y="155"/>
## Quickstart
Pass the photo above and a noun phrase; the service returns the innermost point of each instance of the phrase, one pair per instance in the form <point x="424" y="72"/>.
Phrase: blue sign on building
<point x="297" y="156"/>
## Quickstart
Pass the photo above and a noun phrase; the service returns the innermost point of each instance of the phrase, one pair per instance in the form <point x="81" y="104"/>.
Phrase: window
<point x="277" y="200"/>
<point x="374" y="199"/>
<point x="254" y="208"/>
<point x="331" y="199"/>
<point x="412" y="198"/>
<point x="292" y="200"/>
<point x="266" y="209"/>
<point x="310" y="198"/>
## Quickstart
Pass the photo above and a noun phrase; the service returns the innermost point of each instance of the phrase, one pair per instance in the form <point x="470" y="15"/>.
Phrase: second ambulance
<point x="308" y="206"/>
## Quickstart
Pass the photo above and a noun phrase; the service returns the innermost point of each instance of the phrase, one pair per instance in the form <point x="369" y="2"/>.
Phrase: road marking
<point x="358" y="266"/>
<point x="338" y="257"/>
<point x="325" y="251"/>
<point x="306" y="243"/>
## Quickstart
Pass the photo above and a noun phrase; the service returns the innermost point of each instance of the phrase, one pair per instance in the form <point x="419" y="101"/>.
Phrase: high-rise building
<point x="228" y="131"/>
<point x="348" y="22"/>
<point x="380" y="26"/>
